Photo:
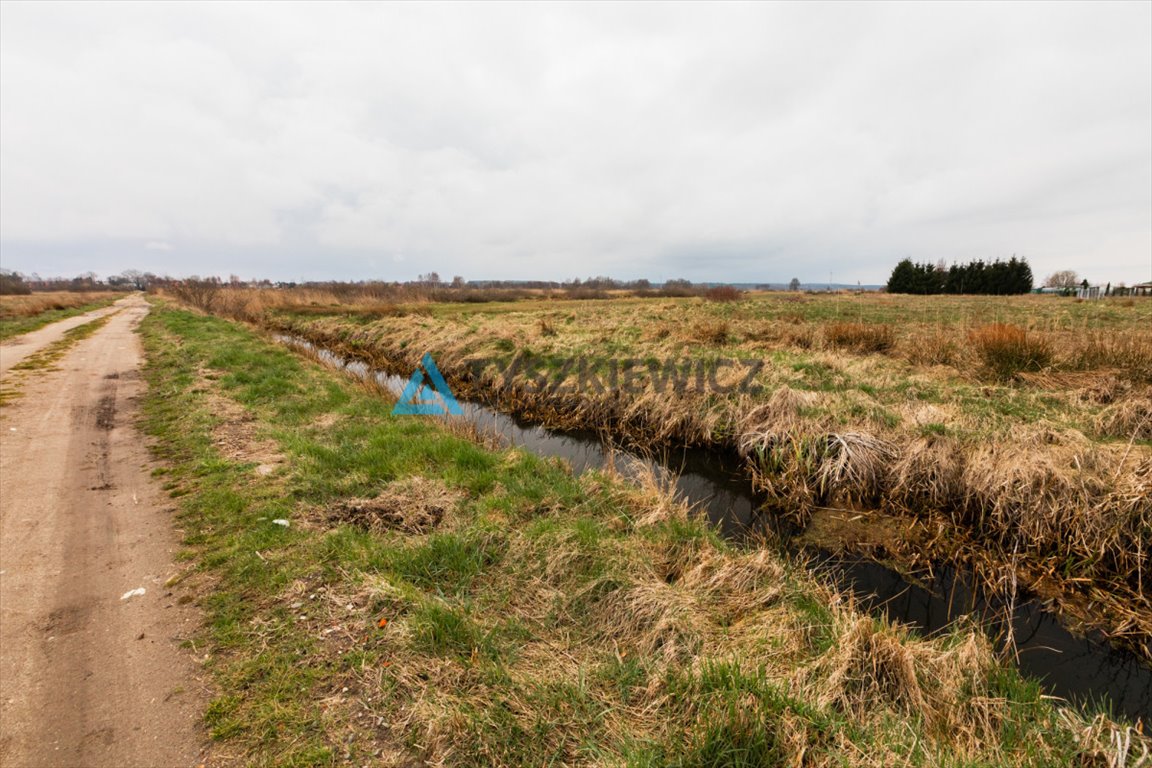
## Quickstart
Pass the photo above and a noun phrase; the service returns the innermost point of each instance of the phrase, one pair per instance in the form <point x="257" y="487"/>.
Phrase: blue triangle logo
<point x="413" y="403"/>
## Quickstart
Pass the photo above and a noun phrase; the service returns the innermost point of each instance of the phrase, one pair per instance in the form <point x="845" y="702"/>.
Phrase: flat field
<point x="393" y="590"/>
<point x="1014" y="433"/>
<point x="24" y="313"/>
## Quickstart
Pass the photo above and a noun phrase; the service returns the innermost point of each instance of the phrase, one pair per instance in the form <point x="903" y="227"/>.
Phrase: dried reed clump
<point x="712" y="332"/>
<point x="1103" y="390"/>
<point x="1130" y="418"/>
<point x="800" y="336"/>
<point x="780" y="448"/>
<point x="936" y="348"/>
<point x="860" y="337"/>
<point x="1117" y="528"/>
<point x="414" y="505"/>
<point x="1107" y="744"/>
<point x="1030" y="497"/>
<point x="546" y="328"/>
<point x="653" y="619"/>
<point x="926" y="475"/>
<point x="656" y="498"/>
<point x="806" y="467"/>
<point x="735" y="585"/>
<point x="1127" y="352"/>
<point x="871" y="669"/>
<point x="653" y="417"/>
<point x="853" y="466"/>
<point x="1007" y="349"/>
<point x="776" y="418"/>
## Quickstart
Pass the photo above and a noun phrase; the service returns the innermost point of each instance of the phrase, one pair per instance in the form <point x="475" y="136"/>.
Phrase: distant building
<point x="1141" y="289"/>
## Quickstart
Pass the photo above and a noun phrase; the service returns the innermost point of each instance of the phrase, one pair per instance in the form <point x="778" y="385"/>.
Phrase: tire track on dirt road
<point x="87" y="678"/>
<point x="16" y="349"/>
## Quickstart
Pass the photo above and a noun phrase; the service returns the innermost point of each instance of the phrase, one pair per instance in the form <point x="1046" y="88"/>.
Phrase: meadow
<point x="392" y="590"/>
<point x="24" y="313"/>
<point x="1017" y="430"/>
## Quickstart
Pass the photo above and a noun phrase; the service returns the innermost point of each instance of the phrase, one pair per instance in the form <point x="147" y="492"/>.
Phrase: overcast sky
<point x="742" y="142"/>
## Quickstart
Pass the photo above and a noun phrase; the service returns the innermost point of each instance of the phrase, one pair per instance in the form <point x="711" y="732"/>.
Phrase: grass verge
<point x="432" y="600"/>
<point x="46" y="358"/>
<point x="24" y="314"/>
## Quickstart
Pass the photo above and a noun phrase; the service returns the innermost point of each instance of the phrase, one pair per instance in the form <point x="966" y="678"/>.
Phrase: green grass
<point x="905" y="371"/>
<point x="10" y="327"/>
<point x="536" y="625"/>
<point x="47" y="357"/>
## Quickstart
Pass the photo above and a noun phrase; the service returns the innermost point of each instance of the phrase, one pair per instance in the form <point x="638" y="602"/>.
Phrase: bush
<point x="723" y="293"/>
<point x="861" y="337"/>
<point x="1007" y="349"/>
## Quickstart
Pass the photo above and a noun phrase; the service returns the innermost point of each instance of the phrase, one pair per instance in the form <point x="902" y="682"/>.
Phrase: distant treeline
<point x="997" y="278"/>
<point x="203" y="292"/>
<point x="14" y="283"/>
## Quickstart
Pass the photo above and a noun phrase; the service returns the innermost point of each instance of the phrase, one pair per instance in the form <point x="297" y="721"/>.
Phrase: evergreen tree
<point x="998" y="278"/>
<point x="903" y="278"/>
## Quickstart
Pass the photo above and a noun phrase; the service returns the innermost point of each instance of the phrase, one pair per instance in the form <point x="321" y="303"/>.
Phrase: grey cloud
<point x="740" y="142"/>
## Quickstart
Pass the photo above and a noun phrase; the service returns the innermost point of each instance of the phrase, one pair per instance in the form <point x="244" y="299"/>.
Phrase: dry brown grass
<point x="927" y="475"/>
<point x="413" y="505"/>
<point x="1129" y="418"/>
<point x="723" y="293"/>
<point x="872" y="668"/>
<point x="236" y="433"/>
<point x="714" y="332"/>
<point x="1007" y="349"/>
<point x="996" y="465"/>
<point x="860" y="337"/>
<point x="1129" y="353"/>
<point x="935" y="347"/>
<point x="34" y="304"/>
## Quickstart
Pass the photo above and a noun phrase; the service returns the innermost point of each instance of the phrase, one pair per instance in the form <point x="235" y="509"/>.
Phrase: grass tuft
<point x="1007" y="350"/>
<point x="860" y="337"/>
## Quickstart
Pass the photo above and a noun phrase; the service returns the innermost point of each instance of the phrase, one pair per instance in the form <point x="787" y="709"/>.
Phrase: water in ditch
<point x="1071" y="666"/>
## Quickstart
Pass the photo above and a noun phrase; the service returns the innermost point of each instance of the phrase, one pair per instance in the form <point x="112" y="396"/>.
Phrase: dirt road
<point x="15" y="350"/>
<point x="87" y="678"/>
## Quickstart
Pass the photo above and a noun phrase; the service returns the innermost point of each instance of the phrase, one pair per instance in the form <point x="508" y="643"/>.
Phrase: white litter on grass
<point x="132" y="593"/>
<point x="281" y="521"/>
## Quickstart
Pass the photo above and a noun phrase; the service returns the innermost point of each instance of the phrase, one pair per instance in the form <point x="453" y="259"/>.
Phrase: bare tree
<point x="197" y="292"/>
<point x="1066" y="279"/>
<point x="794" y="285"/>
<point x="136" y="278"/>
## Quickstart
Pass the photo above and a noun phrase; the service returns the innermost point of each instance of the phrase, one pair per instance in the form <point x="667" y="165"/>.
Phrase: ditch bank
<point x="1037" y="508"/>
<point x="895" y="573"/>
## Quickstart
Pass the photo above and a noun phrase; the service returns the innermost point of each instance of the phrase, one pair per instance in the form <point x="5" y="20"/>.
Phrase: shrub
<point x="1007" y="349"/>
<point x="862" y="337"/>
<point x="723" y="293"/>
